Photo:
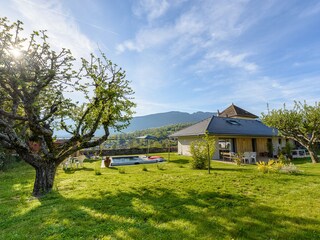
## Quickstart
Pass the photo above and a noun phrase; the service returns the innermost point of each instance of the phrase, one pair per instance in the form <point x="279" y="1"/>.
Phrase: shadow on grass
<point x="234" y="169"/>
<point x="73" y="170"/>
<point x="113" y="168"/>
<point x="298" y="161"/>
<point x="179" y="161"/>
<point x="92" y="160"/>
<point x="159" y="213"/>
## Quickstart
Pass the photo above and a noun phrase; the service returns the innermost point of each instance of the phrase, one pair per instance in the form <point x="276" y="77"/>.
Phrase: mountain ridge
<point x="154" y="120"/>
<point x="165" y="118"/>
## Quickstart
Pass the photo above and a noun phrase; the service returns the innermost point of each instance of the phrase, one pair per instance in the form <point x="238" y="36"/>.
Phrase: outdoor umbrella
<point x="148" y="137"/>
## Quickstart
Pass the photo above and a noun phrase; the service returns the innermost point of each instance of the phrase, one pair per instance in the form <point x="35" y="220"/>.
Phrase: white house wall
<point x="216" y="155"/>
<point x="277" y="146"/>
<point x="184" y="145"/>
<point x="185" y="142"/>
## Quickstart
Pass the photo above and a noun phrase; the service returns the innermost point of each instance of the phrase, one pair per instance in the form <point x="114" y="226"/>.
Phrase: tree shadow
<point x="235" y="169"/>
<point x="92" y="160"/>
<point x="299" y="161"/>
<point x="160" y="213"/>
<point x="113" y="168"/>
<point x="179" y="161"/>
<point x="73" y="170"/>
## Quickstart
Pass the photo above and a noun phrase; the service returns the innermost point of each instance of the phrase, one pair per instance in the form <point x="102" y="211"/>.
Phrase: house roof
<point x="228" y="127"/>
<point x="235" y="111"/>
<point x="194" y="130"/>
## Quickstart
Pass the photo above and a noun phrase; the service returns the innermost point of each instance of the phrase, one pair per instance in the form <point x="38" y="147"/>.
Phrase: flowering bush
<point x="265" y="167"/>
<point x="290" y="168"/>
<point x="277" y="166"/>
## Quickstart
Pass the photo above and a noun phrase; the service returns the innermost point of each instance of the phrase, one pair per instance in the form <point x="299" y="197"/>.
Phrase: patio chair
<point x="79" y="160"/>
<point x="253" y="157"/>
<point x="246" y="157"/>
<point x="67" y="162"/>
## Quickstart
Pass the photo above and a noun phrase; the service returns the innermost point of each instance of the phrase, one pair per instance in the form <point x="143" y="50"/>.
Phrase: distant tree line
<point x="131" y="140"/>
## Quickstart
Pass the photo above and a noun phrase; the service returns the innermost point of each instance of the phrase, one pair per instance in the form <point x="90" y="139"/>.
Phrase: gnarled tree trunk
<point x="313" y="154"/>
<point x="45" y="174"/>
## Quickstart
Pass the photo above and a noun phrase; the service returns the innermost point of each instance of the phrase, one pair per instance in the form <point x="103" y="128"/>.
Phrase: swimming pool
<point x="133" y="160"/>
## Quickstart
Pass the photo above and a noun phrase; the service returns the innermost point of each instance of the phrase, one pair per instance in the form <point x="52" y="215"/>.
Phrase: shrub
<point x="7" y="160"/>
<point x="270" y="148"/>
<point x="97" y="172"/>
<point x="290" y="168"/>
<point x="265" y="167"/>
<point x="282" y="158"/>
<point x="238" y="158"/>
<point x="199" y="155"/>
<point x="202" y="151"/>
<point x="122" y="170"/>
<point x="145" y="169"/>
<point x="286" y="150"/>
<point x="277" y="166"/>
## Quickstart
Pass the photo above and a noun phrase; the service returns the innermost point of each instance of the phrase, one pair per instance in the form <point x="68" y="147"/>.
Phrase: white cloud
<point x="276" y="92"/>
<point x="152" y="8"/>
<point x="147" y="38"/>
<point x="234" y="60"/>
<point x="63" y="30"/>
<point x="201" y="27"/>
<point x="251" y="94"/>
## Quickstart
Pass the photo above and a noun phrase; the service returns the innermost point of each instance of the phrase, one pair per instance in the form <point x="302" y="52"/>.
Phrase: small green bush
<point x="145" y="169"/>
<point x="270" y="148"/>
<point x="286" y="151"/>
<point x="122" y="170"/>
<point x="199" y="155"/>
<point x="97" y="172"/>
<point x="7" y="160"/>
<point x="202" y="151"/>
<point x="282" y="158"/>
<point x="238" y="159"/>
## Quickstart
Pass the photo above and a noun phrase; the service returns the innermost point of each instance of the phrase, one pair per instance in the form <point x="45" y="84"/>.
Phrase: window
<point x="233" y="122"/>
<point x="224" y="144"/>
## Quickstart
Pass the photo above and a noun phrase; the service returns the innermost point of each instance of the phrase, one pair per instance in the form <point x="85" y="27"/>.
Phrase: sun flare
<point x="15" y="52"/>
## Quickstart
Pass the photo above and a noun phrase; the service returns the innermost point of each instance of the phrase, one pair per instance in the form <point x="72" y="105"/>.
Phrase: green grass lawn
<point x="164" y="201"/>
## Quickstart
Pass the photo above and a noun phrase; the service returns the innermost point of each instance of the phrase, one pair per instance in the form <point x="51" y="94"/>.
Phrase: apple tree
<point x="301" y="124"/>
<point x="34" y="84"/>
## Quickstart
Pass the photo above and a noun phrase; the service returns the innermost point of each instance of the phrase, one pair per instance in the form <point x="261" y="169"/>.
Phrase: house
<point x="235" y="130"/>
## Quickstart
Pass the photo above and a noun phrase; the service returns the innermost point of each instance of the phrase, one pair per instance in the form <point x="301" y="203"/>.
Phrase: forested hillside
<point x="130" y="140"/>
<point x="165" y="119"/>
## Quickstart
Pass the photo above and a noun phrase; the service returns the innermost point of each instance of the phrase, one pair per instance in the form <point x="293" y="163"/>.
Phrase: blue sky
<point x="192" y="55"/>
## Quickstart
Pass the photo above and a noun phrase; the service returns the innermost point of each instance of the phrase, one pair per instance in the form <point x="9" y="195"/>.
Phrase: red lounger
<point x="154" y="157"/>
